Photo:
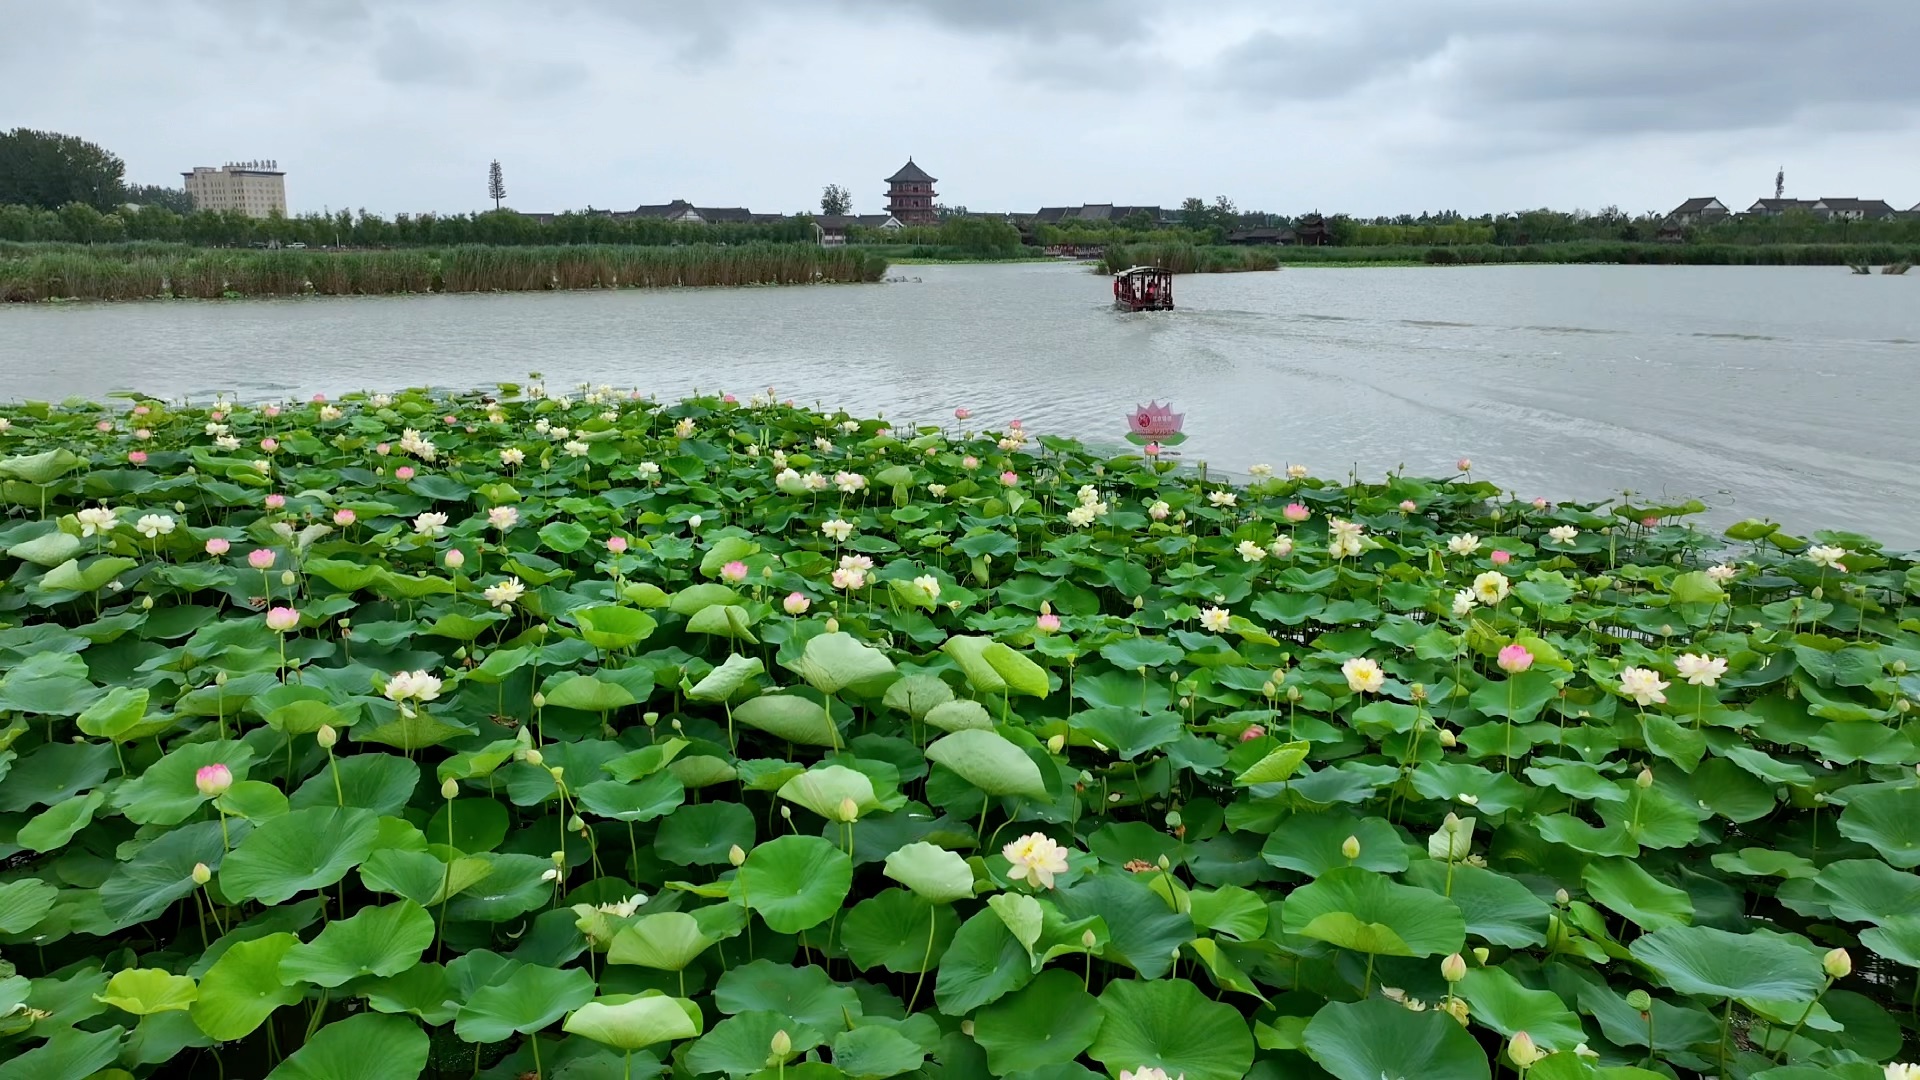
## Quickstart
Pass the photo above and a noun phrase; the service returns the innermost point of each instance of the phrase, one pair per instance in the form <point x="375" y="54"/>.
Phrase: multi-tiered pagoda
<point x="910" y="196"/>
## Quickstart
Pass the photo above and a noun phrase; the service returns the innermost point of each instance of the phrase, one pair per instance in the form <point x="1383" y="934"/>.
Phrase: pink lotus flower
<point x="142" y="434"/>
<point x="138" y="457"/>
<point x="1010" y="478"/>
<point x="962" y="413"/>
<point x="735" y="571"/>
<point x="383" y="449"/>
<point x="282" y="619"/>
<point x="1464" y="464"/>
<point x="1501" y="558"/>
<point x="213" y="780"/>
<point x="1152" y="449"/>
<point x="1514" y="659"/>
<point x="796" y="603"/>
<point x="1650" y="522"/>
<point x="1254" y="731"/>
<point x="617" y="544"/>
<point x="271" y="411"/>
<point x="1048" y="623"/>
<point x="275" y="501"/>
<point x="320" y="398"/>
<point x="729" y="399"/>
<point x="218" y="546"/>
<point x="970" y="462"/>
<point x="1540" y="503"/>
<point x="455" y="558"/>
<point x="1014" y="424"/>
<point x="104" y="425"/>
<point x="141" y="410"/>
<point x="1155" y="419"/>
<point x="344" y="518"/>
<point x="404" y="472"/>
<point x="216" y="416"/>
<point x="260" y="558"/>
<point x="269" y="444"/>
<point x="1296" y="513"/>
<point x="1407" y="506"/>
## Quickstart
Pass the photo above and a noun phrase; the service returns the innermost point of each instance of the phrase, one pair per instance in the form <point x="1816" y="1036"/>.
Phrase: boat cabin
<point x="1143" y="288"/>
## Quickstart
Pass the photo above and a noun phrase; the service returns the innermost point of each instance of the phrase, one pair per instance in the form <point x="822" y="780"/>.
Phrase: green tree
<point x="166" y="198"/>
<point x="835" y="199"/>
<point x="496" y="185"/>
<point x="980" y="236"/>
<point x="49" y="170"/>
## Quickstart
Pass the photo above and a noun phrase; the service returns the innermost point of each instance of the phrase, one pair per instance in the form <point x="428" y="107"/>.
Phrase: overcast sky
<point x="1366" y="106"/>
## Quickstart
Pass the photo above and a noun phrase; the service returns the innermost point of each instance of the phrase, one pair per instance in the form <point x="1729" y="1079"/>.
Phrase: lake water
<point x="1766" y="392"/>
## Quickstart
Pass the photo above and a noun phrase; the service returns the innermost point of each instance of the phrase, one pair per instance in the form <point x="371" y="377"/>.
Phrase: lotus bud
<point x="1903" y="706"/>
<point x="450" y="789"/>
<point x="782" y="1044"/>
<point x="735" y="855"/>
<point x="1162" y="863"/>
<point x="1522" y="1050"/>
<point x="146" y="603"/>
<point x="1481" y="954"/>
<point x="287" y="577"/>
<point x="1639" y="1001"/>
<point x="1837" y="964"/>
<point x="849" y="810"/>
<point x="786" y="812"/>
<point x="326" y="736"/>
<point x="1448" y="739"/>
<point x="455" y="559"/>
<point x="220" y="679"/>
<point x="534" y="757"/>
<point x="1819" y="592"/>
<point x="966" y="1028"/>
<point x="1268" y="689"/>
<point x="1139" y="602"/>
<point x="201" y="875"/>
<point x="1560" y="897"/>
<point x="213" y="780"/>
<point x="1293" y="694"/>
<point x="1351" y="848"/>
<point x="1644" y="780"/>
<point x="1087" y="939"/>
<point x="1056" y="743"/>
<point x="539" y="700"/>
<point x="833" y="625"/>
<point x="1453" y="968"/>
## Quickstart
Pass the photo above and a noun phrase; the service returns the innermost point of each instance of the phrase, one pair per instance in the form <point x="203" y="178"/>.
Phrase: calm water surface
<point x="1784" y="393"/>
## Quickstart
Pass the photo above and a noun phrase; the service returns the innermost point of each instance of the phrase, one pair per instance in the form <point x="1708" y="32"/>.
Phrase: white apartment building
<point x="255" y="188"/>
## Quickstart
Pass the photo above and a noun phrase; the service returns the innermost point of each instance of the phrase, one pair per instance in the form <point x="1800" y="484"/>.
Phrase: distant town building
<point x="1777" y="207"/>
<point x="684" y="212"/>
<point x="255" y="188"/>
<point x="832" y="228"/>
<point x="1698" y="211"/>
<point x="1833" y="209"/>
<point x="910" y="195"/>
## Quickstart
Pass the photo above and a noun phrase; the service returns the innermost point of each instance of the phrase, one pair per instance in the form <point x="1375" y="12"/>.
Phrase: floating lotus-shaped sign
<point x="1154" y="422"/>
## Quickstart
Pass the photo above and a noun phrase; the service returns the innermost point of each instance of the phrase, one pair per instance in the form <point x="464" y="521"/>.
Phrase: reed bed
<point x="1185" y="258"/>
<point x="201" y="274"/>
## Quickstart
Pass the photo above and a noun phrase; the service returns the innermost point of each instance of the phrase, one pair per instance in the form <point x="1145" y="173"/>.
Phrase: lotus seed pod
<point x="735" y="855"/>
<point x="534" y="757"/>
<point x="450" y="789"/>
<point x="650" y="718"/>
<point x="539" y="700"/>
<point x="1837" y="964"/>
<point x="1644" y="780"/>
<point x="576" y="823"/>
<point x="1453" y="968"/>
<point x="1351" y="848"/>
<point x="326" y="736"/>
<point x="1174" y="820"/>
<point x="1522" y="1050"/>
<point x="201" y="875"/>
<point x="1056" y="743"/>
<point x="1481" y="954"/>
<point x="1639" y="1001"/>
<point x="557" y="771"/>
<point x="1418" y="691"/>
<point x="559" y="858"/>
<point x="782" y="1044"/>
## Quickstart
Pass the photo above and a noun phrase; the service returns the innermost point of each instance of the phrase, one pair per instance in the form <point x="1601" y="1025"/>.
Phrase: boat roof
<point x="1131" y="270"/>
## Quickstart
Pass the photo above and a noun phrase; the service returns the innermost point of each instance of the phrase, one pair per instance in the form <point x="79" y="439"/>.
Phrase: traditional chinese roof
<point x="911" y="174"/>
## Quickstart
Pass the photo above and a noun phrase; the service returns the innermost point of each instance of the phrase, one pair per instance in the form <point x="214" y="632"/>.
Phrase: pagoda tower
<point x="910" y="196"/>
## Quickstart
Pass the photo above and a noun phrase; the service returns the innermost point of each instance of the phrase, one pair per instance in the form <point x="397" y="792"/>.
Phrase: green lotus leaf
<point x="723" y="620"/>
<point x="704" y="833"/>
<point x="917" y="695"/>
<point x="373" y="941"/>
<point x="421" y="877"/>
<point x="1169" y="1024"/>
<point x="298" y="851"/>
<point x="1714" y="963"/>
<point x="423" y="990"/>
<point x="668" y="941"/>
<point x="1367" y="912"/>
<point x="1051" y="1021"/>
<point x="1376" y="1037"/>
<point x="897" y="930"/>
<point x="244" y="987"/>
<point x="635" y="1021"/>
<point x="1624" y="886"/>
<point x="145" y="991"/>
<point x="653" y="797"/>
<point x="41" y="468"/>
<point x="984" y="963"/>
<point x="608" y="626"/>
<point x="959" y="715"/>
<point x="589" y="694"/>
<point x="48" y="549"/>
<point x="725" y="550"/>
<point x="932" y="872"/>
<point x="53" y="827"/>
<point x="727" y="680"/>
<point x="529" y="999"/>
<point x="795" y="883"/>
<point x="116" y="716"/>
<point x="1279" y="764"/>
<point x="738" y="1046"/>
<point x="790" y="717"/>
<point x="833" y="662"/>
<point x="804" y="995"/>
<point x="68" y="1053"/>
<point x="870" y="1053"/>
<point x="165" y="794"/>
<point x="988" y="761"/>
<point x="824" y="789"/>
<point x="1888" y="819"/>
<point x="71" y="576"/>
<point x="993" y="668"/>
<point x="1499" y="1001"/>
<point x="362" y="1047"/>
<point x="1313" y="844"/>
<point x="693" y="599"/>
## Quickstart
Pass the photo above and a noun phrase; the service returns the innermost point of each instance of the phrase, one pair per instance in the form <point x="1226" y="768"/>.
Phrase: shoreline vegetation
<point x="532" y="732"/>
<point x="137" y="272"/>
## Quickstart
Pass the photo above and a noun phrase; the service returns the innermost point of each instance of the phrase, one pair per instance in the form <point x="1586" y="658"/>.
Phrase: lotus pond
<point x="527" y="734"/>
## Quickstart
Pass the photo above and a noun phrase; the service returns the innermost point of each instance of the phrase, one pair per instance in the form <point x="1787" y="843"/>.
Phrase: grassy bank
<point x="1184" y="258"/>
<point x="212" y="274"/>
<point x="1607" y="251"/>
<point x="520" y="734"/>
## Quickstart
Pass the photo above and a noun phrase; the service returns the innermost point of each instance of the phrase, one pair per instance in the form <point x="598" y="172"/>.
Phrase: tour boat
<point x="1143" y="288"/>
